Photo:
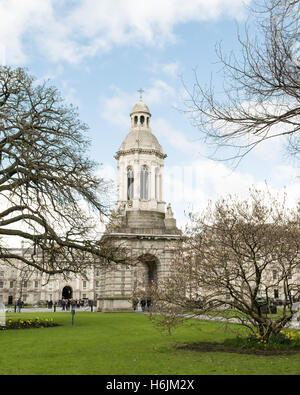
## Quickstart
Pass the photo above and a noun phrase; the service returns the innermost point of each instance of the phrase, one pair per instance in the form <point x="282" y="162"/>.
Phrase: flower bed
<point x="285" y="340"/>
<point x="31" y="323"/>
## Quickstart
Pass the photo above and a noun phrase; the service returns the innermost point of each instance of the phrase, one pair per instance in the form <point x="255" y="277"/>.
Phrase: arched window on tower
<point x="144" y="183"/>
<point x="130" y="183"/>
<point x="135" y="120"/>
<point x="142" y="120"/>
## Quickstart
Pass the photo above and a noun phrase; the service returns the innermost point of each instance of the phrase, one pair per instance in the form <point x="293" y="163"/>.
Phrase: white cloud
<point x="16" y="19"/>
<point x="70" y="31"/>
<point x="116" y="109"/>
<point x="171" y="69"/>
<point x="191" y="186"/>
<point x="175" y="138"/>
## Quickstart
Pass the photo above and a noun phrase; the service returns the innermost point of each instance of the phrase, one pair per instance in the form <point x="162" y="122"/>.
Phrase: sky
<point x="99" y="53"/>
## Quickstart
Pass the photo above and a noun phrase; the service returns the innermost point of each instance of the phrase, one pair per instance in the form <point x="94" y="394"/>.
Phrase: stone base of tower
<point x="117" y="304"/>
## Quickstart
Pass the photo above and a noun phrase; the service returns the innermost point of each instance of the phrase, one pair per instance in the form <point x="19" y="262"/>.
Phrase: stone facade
<point x="19" y="281"/>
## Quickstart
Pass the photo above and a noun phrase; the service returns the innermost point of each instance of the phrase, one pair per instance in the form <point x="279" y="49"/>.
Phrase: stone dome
<point x="140" y="107"/>
<point x="141" y="139"/>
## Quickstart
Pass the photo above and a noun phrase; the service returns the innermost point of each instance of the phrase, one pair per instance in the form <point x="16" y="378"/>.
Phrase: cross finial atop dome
<point x="141" y="91"/>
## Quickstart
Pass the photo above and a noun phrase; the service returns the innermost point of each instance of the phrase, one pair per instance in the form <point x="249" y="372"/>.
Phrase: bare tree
<point x="260" y="99"/>
<point x="49" y="194"/>
<point x="238" y="256"/>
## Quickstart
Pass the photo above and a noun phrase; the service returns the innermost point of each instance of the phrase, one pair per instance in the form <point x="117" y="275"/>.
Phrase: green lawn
<point x="121" y="344"/>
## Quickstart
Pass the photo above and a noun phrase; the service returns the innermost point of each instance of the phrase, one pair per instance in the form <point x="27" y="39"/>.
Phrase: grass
<point x="127" y="344"/>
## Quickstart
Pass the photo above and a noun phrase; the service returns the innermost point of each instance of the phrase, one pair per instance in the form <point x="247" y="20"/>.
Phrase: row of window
<point x="14" y="273"/>
<point x="12" y="284"/>
<point x="36" y="284"/>
<point x="144" y="184"/>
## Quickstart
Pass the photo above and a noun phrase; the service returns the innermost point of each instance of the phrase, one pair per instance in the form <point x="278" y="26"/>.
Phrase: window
<point x="144" y="184"/>
<point x="1" y="274"/>
<point x="97" y="284"/>
<point x="130" y="184"/>
<point x="84" y="284"/>
<point x="274" y="274"/>
<point x="36" y="284"/>
<point x="135" y="120"/>
<point x="142" y="120"/>
<point x="25" y="284"/>
<point x="1" y="284"/>
<point x="11" y="284"/>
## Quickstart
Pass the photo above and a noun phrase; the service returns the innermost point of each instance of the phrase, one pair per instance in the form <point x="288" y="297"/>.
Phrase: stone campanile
<point x="143" y="222"/>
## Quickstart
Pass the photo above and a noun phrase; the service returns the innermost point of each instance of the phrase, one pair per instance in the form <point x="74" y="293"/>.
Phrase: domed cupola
<point x="140" y="138"/>
<point x="140" y="116"/>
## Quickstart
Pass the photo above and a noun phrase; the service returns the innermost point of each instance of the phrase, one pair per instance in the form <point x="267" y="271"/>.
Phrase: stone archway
<point x="67" y="292"/>
<point x="146" y="271"/>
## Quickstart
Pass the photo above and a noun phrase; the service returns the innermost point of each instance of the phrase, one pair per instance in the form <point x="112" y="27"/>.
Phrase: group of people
<point x="145" y="304"/>
<point x="65" y="304"/>
<point x="68" y="304"/>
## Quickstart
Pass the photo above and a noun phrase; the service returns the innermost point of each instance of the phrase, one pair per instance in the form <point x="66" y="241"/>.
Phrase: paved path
<point x="45" y="310"/>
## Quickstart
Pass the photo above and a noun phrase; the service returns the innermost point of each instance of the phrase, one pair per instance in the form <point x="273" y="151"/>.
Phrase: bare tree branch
<point x="260" y="100"/>
<point x="49" y="194"/>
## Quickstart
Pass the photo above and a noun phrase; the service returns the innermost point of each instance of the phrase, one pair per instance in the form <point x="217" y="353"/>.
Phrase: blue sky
<point x="100" y="52"/>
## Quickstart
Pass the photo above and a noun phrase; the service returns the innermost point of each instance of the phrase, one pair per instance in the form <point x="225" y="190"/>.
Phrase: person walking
<point x="19" y="305"/>
<point x="135" y="303"/>
<point x="148" y="304"/>
<point x="143" y="305"/>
